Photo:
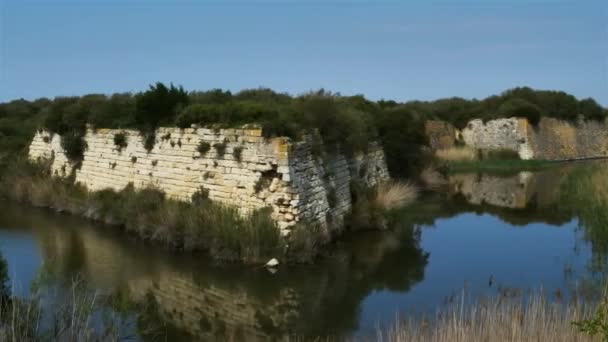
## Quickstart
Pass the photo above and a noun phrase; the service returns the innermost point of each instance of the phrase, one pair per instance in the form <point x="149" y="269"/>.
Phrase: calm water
<point x="483" y="233"/>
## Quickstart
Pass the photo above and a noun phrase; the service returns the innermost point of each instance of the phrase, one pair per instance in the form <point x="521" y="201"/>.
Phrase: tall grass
<point x="373" y="204"/>
<point x="457" y="154"/>
<point x="202" y="225"/>
<point x="499" y="318"/>
<point x="394" y="195"/>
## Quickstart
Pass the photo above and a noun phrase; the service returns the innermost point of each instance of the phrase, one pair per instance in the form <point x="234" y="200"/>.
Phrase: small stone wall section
<point x="440" y="134"/>
<point x="551" y="139"/>
<point x="289" y="177"/>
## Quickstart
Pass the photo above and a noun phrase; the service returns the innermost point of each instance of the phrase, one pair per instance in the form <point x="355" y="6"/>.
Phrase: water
<point x="482" y="234"/>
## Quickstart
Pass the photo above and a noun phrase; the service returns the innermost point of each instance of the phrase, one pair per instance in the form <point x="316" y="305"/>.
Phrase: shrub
<point x="120" y="141"/>
<point x="220" y="148"/>
<point x="149" y="140"/>
<point x="201" y="196"/>
<point x="158" y="105"/>
<point x="394" y="195"/>
<point x="74" y="146"/>
<point x="238" y="153"/>
<point x="203" y="147"/>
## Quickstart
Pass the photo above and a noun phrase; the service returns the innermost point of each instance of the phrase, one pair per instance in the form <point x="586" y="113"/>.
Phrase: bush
<point x="149" y="140"/>
<point x="220" y="148"/>
<point x="120" y="141"/>
<point x="203" y="147"/>
<point x="158" y="105"/>
<point x="74" y="146"/>
<point x="238" y="153"/>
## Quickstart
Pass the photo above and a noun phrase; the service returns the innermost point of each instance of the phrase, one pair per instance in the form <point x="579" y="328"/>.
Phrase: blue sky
<point x="383" y="49"/>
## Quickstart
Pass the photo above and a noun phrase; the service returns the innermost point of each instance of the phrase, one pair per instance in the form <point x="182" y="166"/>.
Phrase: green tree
<point x="159" y="105"/>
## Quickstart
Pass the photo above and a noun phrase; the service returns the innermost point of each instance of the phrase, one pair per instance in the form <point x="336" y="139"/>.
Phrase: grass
<point x="373" y="205"/>
<point x="497" y="166"/>
<point x="499" y="318"/>
<point x="394" y="195"/>
<point x="467" y="159"/>
<point x="201" y="225"/>
<point x="456" y="154"/>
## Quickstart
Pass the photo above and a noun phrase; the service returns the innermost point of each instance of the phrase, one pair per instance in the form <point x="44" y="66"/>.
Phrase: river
<point x="481" y="234"/>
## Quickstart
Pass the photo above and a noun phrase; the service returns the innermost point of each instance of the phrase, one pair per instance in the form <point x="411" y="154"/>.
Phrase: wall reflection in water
<point x="214" y="302"/>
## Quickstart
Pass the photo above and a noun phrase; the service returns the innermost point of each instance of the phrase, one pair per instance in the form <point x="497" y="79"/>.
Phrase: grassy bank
<point x="466" y="159"/>
<point x="497" y="166"/>
<point x="201" y="224"/>
<point x="506" y="318"/>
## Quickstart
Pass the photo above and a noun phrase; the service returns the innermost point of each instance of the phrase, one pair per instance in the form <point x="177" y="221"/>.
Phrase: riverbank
<point x="200" y="224"/>
<point x="500" y="166"/>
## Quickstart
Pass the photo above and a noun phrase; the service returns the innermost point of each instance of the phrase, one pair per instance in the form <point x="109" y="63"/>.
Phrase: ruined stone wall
<point x="251" y="173"/>
<point x="440" y="134"/>
<point x="501" y="134"/>
<point x="559" y="140"/>
<point x="551" y="139"/>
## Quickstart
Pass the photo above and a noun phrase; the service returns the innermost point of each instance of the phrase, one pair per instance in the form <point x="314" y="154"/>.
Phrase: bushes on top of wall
<point x="347" y="122"/>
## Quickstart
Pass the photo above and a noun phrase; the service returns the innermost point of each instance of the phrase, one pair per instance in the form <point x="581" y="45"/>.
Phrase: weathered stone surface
<point x="551" y="139"/>
<point x="277" y="173"/>
<point x="440" y="134"/>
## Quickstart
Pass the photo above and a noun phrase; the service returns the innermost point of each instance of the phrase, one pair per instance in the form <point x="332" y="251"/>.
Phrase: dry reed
<point x="432" y="179"/>
<point x="497" y="319"/>
<point x="456" y="154"/>
<point x="393" y="195"/>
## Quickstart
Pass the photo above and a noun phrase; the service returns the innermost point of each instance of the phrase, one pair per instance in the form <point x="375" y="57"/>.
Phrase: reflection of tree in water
<point x="586" y="192"/>
<point x="5" y="290"/>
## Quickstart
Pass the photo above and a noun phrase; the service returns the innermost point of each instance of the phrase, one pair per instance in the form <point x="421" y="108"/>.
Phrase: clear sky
<point x="399" y="50"/>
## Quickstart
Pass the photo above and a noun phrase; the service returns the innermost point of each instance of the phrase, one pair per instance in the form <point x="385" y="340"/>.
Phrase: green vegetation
<point x="238" y="153"/>
<point x="120" y="141"/>
<point x="346" y="122"/>
<point x="203" y="147"/>
<point x="494" y="166"/>
<point x="467" y="159"/>
<point x="200" y="225"/>
<point x="220" y="148"/>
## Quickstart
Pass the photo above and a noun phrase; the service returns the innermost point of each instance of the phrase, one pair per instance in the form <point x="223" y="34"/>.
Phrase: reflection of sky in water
<point x="470" y="248"/>
<point x="23" y="257"/>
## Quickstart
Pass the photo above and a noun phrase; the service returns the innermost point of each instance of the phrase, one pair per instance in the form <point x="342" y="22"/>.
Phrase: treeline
<point x="347" y="122"/>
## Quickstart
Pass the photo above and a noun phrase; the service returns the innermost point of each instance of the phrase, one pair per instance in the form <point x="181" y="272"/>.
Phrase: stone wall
<point x="551" y="139"/>
<point x="292" y="178"/>
<point x="440" y="134"/>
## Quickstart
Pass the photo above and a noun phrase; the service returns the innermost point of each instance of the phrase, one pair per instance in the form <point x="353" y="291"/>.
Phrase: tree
<point x="159" y="105"/>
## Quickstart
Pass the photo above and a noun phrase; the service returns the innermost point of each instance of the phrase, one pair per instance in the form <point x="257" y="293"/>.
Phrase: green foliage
<point x="149" y="140"/>
<point x="73" y="145"/>
<point x="201" y="196"/>
<point x="5" y="290"/>
<point x="520" y="108"/>
<point x="120" y="140"/>
<point x="238" y="153"/>
<point x="220" y="148"/>
<point x="598" y="324"/>
<point x="158" y="105"/>
<point x="200" y="225"/>
<point x="346" y="123"/>
<point x="203" y="147"/>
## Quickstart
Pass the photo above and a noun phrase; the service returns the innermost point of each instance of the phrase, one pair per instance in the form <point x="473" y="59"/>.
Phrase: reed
<point x="500" y="318"/>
